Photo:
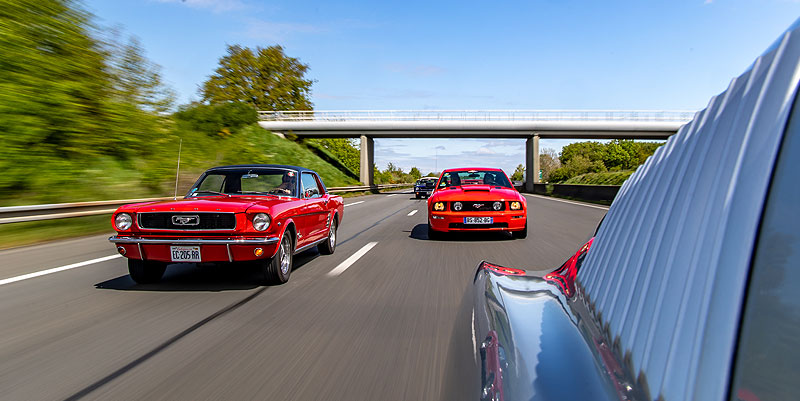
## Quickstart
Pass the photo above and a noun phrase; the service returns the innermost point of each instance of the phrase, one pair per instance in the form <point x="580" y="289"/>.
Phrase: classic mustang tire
<point x="433" y="234"/>
<point x="328" y="246"/>
<point x="279" y="267"/>
<point x="145" y="272"/>
<point x="521" y="234"/>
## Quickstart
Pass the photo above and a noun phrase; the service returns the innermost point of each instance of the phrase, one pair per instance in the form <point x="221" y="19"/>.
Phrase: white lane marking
<point x="390" y="195"/>
<point x="57" y="269"/>
<point x="352" y="259"/>
<point x="566" y="201"/>
<point x="354" y="203"/>
<point x="413" y="212"/>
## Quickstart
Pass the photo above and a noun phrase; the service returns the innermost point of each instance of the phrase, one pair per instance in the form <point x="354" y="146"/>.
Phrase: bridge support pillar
<point x="367" y="160"/>
<point x="531" y="162"/>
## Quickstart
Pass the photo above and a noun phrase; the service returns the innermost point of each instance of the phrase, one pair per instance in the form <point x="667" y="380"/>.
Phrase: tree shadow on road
<point x="420" y="232"/>
<point x="216" y="277"/>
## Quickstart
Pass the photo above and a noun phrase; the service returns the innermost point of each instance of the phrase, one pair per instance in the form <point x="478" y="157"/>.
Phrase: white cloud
<point x="214" y="5"/>
<point x="277" y="31"/>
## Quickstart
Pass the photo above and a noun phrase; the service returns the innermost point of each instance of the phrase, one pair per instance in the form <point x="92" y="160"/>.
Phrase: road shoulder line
<point x="567" y="201"/>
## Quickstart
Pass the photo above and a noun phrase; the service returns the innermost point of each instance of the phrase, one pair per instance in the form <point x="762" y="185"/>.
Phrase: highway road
<point x="376" y="329"/>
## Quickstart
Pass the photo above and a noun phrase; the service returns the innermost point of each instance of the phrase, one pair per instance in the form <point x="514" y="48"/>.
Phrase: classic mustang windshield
<point x="474" y="177"/>
<point x="247" y="182"/>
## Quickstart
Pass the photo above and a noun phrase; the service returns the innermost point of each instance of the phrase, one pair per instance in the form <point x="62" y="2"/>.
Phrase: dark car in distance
<point x="424" y="187"/>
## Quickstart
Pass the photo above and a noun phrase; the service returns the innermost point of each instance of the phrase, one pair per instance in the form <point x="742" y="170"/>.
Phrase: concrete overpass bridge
<point x="531" y="125"/>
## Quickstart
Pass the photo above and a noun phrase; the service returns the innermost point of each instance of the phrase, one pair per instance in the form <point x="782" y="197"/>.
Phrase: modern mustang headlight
<point x="457" y="206"/>
<point x="261" y="221"/>
<point x="439" y="206"/>
<point x="516" y="206"/>
<point x="123" y="221"/>
<point x="497" y="205"/>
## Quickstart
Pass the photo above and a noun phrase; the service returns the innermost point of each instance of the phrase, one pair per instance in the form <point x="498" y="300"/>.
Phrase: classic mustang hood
<point x="235" y="204"/>
<point x="476" y="192"/>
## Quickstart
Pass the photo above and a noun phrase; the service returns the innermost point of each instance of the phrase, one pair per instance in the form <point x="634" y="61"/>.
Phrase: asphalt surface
<point x="380" y="330"/>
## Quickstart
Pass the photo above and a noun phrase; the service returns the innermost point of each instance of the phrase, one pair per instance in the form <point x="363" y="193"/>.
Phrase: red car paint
<point x="470" y="192"/>
<point x="309" y="220"/>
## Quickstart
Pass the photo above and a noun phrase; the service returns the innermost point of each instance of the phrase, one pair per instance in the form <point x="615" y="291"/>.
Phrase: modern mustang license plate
<point x="185" y="253"/>
<point x="477" y="220"/>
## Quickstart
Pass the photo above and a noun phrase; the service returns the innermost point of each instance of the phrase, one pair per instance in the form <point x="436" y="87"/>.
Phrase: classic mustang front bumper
<point x="211" y="249"/>
<point x="454" y="221"/>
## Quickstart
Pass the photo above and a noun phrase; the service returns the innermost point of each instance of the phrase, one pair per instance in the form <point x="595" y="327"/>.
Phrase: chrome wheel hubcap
<point x="332" y="236"/>
<point x="286" y="256"/>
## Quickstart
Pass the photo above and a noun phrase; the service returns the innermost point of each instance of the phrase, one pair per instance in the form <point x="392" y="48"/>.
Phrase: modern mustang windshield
<point x="247" y="182"/>
<point x="474" y="177"/>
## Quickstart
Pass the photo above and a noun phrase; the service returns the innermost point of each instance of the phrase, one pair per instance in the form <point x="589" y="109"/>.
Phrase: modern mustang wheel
<point x="327" y="247"/>
<point x="521" y="234"/>
<point x="278" y="269"/>
<point x="433" y="234"/>
<point x="146" y="272"/>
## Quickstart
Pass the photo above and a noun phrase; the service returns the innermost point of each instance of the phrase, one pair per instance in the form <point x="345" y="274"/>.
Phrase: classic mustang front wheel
<point x="278" y="269"/>
<point x="328" y="246"/>
<point x="146" y="271"/>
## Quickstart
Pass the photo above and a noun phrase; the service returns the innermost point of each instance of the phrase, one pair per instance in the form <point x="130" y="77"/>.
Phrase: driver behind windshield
<point x="288" y="183"/>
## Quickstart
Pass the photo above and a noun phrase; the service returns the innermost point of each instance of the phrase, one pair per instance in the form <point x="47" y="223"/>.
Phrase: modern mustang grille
<point x="203" y="221"/>
<point x="482" y="206"/>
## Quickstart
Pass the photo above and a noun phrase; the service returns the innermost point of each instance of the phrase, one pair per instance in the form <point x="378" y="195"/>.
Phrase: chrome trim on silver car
<point x="197" y="241"/>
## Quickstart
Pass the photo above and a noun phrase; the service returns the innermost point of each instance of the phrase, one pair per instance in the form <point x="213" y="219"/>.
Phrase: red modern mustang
<point x="473" y="199"/>
<point x="250" y="213"/>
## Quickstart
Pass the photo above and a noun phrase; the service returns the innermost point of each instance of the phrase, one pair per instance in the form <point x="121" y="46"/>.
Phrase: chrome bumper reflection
<point x="194" y="241"/>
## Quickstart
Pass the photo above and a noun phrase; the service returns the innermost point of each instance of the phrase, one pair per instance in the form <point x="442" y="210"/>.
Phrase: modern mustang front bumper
<point x="211" y="249"/>
<point x="454" y="221"/>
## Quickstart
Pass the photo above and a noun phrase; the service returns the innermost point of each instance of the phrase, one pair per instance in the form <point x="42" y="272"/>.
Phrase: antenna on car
<point x="180" y="145"/>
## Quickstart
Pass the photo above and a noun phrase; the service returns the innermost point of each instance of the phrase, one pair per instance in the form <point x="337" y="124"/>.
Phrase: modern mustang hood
<point x="476" y="192"/>
<point x="233" y="204"/>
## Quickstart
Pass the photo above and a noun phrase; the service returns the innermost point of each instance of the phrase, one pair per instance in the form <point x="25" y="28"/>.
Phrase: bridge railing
<point x="476" y="115"/>
<point x="18" y="214"/>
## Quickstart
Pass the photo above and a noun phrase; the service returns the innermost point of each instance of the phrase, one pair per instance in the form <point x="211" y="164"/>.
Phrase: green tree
<point x="591" y="150"/>
<point x="344" y="149"/>
<point x="265" y="78"/>
<point x="414" y="173"/>
<point x="548" y="160"/>
<point x="519" y="174"/>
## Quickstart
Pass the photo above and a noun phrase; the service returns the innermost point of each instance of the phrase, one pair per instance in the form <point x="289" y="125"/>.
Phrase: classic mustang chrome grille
<point x="477" y="206"/>
<point x="187" y="221"/>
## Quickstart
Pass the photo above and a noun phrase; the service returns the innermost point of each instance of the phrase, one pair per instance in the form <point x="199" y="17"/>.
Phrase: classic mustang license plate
<point x="477" y="220"/>
<point x="185" y="253"/>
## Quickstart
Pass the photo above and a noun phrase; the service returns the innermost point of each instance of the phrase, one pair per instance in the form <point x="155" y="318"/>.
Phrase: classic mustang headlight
<point x="261" y="221"/>
<point x="123" y="221"/>
<point x="516" y="205"/>
<point x="497" y="205"/>
<point x="438" y="206"/>
<point x="457" y="206"/>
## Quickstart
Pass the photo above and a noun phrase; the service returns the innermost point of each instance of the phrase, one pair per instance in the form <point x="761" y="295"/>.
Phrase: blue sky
<point x="537" y="54"/>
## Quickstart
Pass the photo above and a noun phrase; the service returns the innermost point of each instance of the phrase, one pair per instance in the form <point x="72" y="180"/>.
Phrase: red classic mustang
<point x="469" y="199"/>
<point x="249" y="213"/>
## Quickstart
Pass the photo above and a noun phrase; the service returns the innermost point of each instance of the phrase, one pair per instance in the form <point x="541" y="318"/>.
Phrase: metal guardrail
<point x="477" y="115"/>
<point x="19" y="214"/>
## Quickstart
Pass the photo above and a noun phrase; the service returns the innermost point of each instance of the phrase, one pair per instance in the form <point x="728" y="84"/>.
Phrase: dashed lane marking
<point x="56" y="269"/>
<point x="413" y="212"/>
<point x="352" y="259"/>
<point x="354" y="203"/>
